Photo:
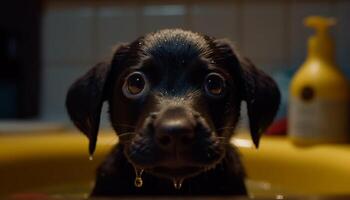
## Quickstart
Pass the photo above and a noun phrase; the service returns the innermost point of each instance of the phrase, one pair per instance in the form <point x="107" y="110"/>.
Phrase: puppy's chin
<point x="202" y="155"/>
<point x="175" y="173"/>
<point x="180" y="171"/>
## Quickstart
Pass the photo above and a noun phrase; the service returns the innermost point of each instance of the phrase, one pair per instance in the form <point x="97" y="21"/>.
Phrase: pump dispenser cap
<point x="320" y="45"/>
<point x="320" y="24"/>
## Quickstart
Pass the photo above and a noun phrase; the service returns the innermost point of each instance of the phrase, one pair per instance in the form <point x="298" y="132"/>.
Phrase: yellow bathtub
<point x="58" y="163"/>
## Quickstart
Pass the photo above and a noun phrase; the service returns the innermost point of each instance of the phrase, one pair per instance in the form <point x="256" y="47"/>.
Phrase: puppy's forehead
<point x="175" y="45"/>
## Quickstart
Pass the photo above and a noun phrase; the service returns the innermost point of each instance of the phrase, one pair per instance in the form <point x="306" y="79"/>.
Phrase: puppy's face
<point x="177" y="102"/>
<point x="174" y="99"/>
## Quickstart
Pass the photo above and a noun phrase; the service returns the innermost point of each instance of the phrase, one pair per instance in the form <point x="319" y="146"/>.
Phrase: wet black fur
<point x="176" y="53"/>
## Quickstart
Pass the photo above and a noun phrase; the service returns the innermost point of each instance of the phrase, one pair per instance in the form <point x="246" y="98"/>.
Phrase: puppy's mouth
<point x="181" y="172"/>
<point x="176" y="169"/>
<point x="144" y="155"/>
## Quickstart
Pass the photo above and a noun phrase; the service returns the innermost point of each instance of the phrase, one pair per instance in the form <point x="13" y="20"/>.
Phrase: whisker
<point x="126" y="137"/>
<point x="126" y="133"/>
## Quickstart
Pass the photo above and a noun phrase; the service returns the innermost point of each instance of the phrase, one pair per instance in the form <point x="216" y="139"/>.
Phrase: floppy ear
<point x="258" y="89"/>
<point x="84" y="101"/>
<point x="262" y="96"/>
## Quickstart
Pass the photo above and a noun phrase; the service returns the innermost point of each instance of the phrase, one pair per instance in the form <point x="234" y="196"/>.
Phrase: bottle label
<point x="318" y="119"/>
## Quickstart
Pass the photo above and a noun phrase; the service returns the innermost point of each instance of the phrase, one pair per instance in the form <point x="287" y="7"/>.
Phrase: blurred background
<point x="47" y="44"/>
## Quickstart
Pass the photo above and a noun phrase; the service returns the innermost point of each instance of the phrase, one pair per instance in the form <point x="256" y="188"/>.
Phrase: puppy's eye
<point x="214" y="85"/>
<point x="134" y="85"/>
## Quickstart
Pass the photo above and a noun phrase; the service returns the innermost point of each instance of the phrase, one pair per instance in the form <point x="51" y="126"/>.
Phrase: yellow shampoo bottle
<point x="319" y="93"/>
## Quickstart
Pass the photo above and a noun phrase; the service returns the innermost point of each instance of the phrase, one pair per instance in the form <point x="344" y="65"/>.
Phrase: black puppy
<point x="174" y="99"/>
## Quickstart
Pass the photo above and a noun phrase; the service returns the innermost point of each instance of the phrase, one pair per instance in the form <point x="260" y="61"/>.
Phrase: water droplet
<point x="91" y="157"/>
<point x="138" y="182"/>
<point x="138" y="179"/>
<point x="177" y="183"/>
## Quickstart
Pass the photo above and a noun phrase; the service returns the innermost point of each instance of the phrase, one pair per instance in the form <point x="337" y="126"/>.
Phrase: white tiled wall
<point x="271" y="33"/>
<point x="298" y="33"/>
<point x="263" y="32"/>
<point x="57" y="79"/>
<point x="115" y="24"/>
<point x="219" y="19"/>
<point x="68" y="36"/>
<point x="342" y="12"/>
<point x="155" y="17"/>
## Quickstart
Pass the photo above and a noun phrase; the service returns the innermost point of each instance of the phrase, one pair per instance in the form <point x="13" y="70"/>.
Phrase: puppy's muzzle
<point x="175" y="129"/>
<point x="175" y="142"/>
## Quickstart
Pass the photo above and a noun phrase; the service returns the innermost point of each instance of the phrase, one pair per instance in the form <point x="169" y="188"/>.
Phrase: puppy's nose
<point x="174" y="133"/>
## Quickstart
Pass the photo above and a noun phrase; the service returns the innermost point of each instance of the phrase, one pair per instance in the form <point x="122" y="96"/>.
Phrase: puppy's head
<point x="177" y="94"/>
